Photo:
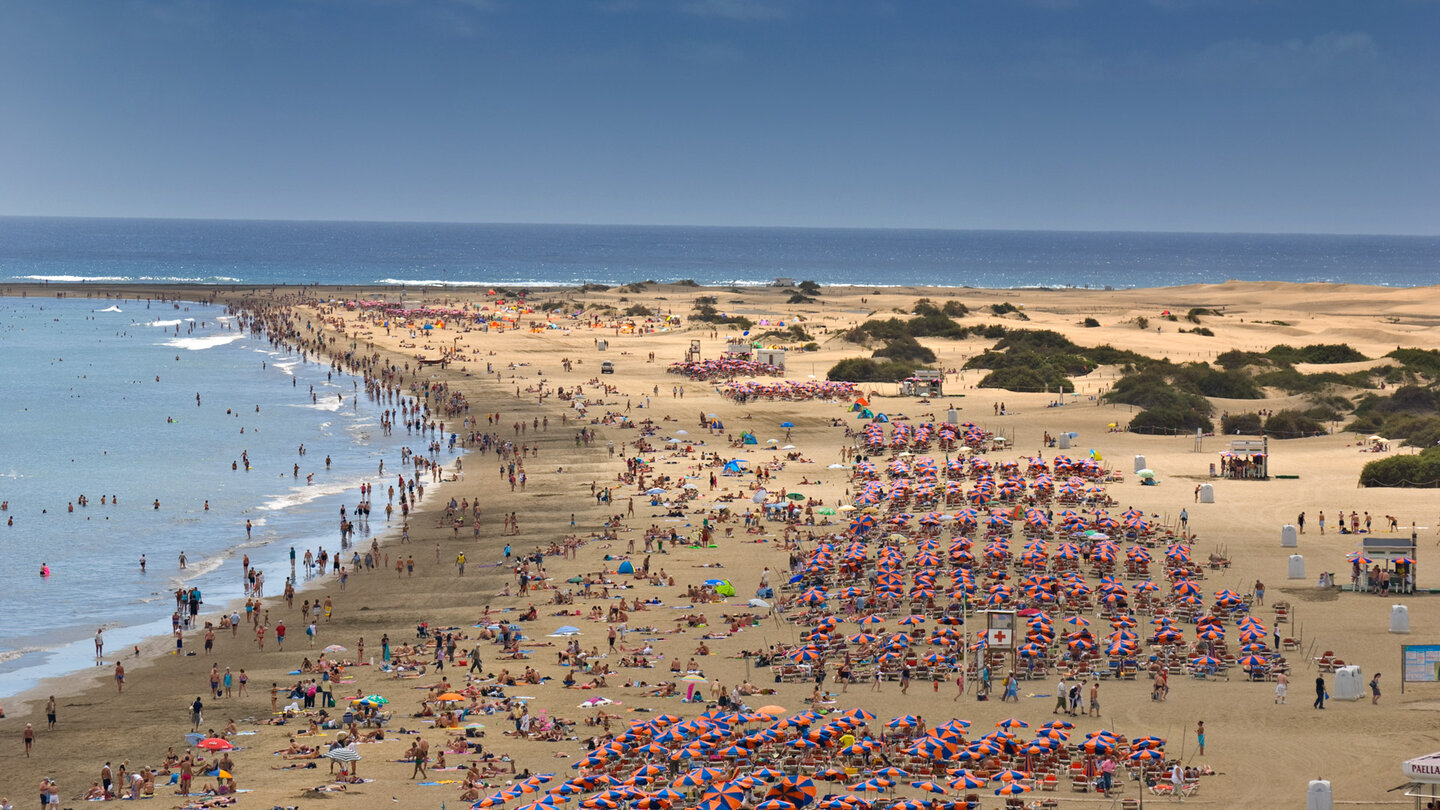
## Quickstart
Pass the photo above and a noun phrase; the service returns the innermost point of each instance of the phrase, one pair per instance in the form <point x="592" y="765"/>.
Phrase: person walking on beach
<point x="119" y="677"/>
<point x="1200" y="736"/>
<point x="1319" y="692"/>
<point x="1374" y="690"/>
<point x="196" y="718"/>
<point x="29" y="736"/>
<point x="420" y="753"/>
<point x="1061" y="695"/>
<point x="99" y="646"/>
<point x="50" y="713"/>
<point x="1322" y="522"/>
<point x="1282" y="685"/>
<point x="1300" y="522"/>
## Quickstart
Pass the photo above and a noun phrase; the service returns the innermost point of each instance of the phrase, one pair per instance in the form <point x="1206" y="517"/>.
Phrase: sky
<point x="1304" y="116"/>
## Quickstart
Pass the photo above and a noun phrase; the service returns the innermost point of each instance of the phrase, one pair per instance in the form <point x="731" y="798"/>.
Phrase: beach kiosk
<point x="774" y="356"/>
<point x="1423" y="774"/>
<point x="1392" y="553"/>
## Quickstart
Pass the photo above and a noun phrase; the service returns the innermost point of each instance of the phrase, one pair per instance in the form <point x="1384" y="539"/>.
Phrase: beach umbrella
<point x="343" y="754"/>
<point x="215" y="744"/>
<point x="450" y="697"/>
<point x="965" y="780"/>
<point x="1012" y="789"/>
<point x="1009" y="775"/>
<point x="335" y="648"/>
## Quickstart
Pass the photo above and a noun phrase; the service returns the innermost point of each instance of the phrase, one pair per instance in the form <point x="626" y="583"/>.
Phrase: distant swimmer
<point x="197" y="396"/>
<point x="44" y="569"/>
<point x="157" y="503"/>
<point x="182" y="559"/>
<point x="142" y="563"/>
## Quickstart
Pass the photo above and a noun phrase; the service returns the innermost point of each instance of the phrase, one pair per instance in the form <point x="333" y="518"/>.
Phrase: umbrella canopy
<point x="214" y="744"/>
<point x="343" y="754"/>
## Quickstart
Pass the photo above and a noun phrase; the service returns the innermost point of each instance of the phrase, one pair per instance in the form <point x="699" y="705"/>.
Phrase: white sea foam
<point x="436" y="282"/>
<point x="11" y="655"/>
<point x="323" y="404"/>
<point x="69" y="279"/>
<point x="111" y="308"/>
<point x="304" y="495"/>
<point x="196" y="344"/>
<point x="75" y="279"/>
<point x="175" y="322"/>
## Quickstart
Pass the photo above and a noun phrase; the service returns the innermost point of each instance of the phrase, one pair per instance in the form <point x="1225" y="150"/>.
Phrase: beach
<point x="1262" y="753"/>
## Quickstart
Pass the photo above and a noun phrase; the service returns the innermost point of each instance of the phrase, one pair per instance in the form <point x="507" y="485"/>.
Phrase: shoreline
<point x="69" y="660"/>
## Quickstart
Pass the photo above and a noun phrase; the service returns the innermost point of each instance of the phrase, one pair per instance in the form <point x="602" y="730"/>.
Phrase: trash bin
<point x="1140" y="463"/>
<point x="1318" y="797"/>
<point x="1289" y="537"/>
<point x="1399" y="619"/>
<point x="1064" y="441"/>
<point x="1207" y="493"/>
<point x="1297" y="566"/>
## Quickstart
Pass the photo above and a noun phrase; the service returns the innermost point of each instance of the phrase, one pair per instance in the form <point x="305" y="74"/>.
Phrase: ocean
<point x="430" y="254"/>
<point x="100" y="401"/>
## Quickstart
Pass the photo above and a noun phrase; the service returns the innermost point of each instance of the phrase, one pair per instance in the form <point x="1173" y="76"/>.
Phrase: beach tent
<point x="567" y="630"/>
<point x="721" y="586"/>
<point x="626" y="567"/>
<point x="734" y="466"/>
<point x="880" y="417"/>
<point x="748" y="438"/>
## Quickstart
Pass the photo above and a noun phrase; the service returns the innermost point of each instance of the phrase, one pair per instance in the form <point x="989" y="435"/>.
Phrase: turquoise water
<point x="85" y="411"/>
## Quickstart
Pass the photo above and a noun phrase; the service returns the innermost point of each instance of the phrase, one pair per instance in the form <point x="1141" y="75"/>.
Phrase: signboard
<point x="1000" y="629"/>
<point x="1421" y="663"/>
<point x="1000" y="639"/>
<point x="1423" y="769"/>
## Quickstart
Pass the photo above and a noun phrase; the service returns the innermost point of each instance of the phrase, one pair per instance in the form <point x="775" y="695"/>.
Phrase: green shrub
<point x="1420" y="361"/>
<point x="687" y="282"/>
<point x="1317" y="353"/>
<point x="809" y="287"/>
<point x="1245" y="424"/>
<point x="1194" y="314"/>
<point x="797" y="298"/>
<point x="866" y="369"/>
<point x="1169" y="421"/>
<point x="1003" y="309"/>
<point x="1200" y="330"/>
<point x="905" y="348"/>
<point x="1234" y="359"/>
<point x="638" y="311"/>
<point x="1028" y="378"/>
<point x="1291" y="424"/>
<point x="955" y="309"/>
<point x="1091" y="323"/>
<point x="1421" y="470"/>
<point x="1142" y="322"/>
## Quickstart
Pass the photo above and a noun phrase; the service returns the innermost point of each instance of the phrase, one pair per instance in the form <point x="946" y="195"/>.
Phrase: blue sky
<point x="1199" y="115"/>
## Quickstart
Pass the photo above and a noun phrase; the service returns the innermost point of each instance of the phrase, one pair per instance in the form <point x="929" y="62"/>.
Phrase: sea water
<point x="99" y="399"/>
<point x="427" y="254"/>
